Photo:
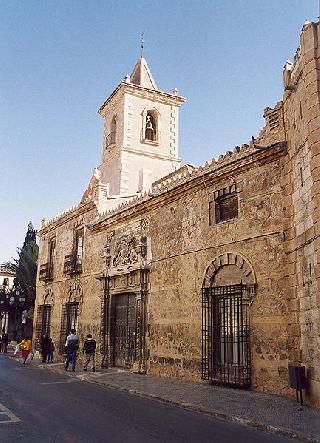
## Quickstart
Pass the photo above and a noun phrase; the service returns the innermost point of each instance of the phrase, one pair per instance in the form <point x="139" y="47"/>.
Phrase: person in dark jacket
<point x="45" y="347"/>
<point x="89" y="349"/>
<point x="51" y="351"/>
<point x="72" y="345"/>
<point x="5" y="341"/>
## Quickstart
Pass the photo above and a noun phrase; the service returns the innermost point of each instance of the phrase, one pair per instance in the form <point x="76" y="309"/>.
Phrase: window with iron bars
<point x="69" y="320"/>
<point x="225" y="205"/>
<point x="43" y="323"/>
<point x="226" y="355"/>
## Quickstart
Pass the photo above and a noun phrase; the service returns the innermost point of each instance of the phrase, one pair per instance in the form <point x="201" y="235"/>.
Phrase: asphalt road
<point x="37" y="405"/>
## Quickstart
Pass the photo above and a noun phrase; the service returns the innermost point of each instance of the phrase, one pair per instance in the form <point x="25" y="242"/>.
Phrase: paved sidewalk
<point x="267" y="412"/>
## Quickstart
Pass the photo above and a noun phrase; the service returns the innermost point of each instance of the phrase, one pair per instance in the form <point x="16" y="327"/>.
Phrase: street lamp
<point x="17" y="300"/>
<point x="4" y="304"/>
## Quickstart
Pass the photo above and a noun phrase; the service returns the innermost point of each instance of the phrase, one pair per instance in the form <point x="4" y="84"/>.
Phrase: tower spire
<point x="142" y="44"/>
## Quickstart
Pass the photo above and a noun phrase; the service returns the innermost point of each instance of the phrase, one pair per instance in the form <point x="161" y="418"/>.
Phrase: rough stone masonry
<point x="208" y="273"/>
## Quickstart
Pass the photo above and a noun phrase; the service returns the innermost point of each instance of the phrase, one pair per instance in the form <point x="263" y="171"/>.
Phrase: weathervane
<point x="142" y="43"/>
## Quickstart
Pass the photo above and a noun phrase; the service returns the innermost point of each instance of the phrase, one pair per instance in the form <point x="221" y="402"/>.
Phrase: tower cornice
<point x="139" y="91"/>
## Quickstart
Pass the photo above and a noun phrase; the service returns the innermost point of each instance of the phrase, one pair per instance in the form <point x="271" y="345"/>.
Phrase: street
<point x="37" y="405"/>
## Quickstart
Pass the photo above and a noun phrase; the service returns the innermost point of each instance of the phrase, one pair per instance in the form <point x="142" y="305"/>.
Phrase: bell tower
<point x="140" y="139"/>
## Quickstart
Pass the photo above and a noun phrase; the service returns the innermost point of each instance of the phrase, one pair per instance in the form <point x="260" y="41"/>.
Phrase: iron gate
<point x="226" y="335"/>
<point x="123" y="329"/>
<point x="69" y="320"/>
<point x="43" y="323"/>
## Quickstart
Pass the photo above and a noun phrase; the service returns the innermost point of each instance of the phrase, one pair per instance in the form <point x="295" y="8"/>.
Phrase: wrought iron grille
<point x="46" y="271"/>
<point x="138" y="330"/>
<point x="43" y="323"/>
<point x="226" y="335"/>
<point x="69" y="320"/>
<point x="72" y="264"/>
<point x="226" y="207"/>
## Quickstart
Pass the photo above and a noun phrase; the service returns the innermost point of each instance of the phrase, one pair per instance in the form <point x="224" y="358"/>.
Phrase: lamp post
<point x="4" y="303"/>
<point x="17" y="300"/>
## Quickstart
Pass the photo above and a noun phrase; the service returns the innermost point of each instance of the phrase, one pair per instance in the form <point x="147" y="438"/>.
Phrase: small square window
<point x="224" y="207"/>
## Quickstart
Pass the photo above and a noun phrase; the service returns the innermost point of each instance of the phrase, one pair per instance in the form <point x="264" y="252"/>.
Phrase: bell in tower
<point x="150" y="129"/>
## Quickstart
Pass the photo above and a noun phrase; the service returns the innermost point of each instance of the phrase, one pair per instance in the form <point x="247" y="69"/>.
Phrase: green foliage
<point x="25" y="267"/>
<point x="26" y="272"/>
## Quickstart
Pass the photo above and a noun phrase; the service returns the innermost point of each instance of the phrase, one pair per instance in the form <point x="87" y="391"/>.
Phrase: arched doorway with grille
<point x="227" y="294"/>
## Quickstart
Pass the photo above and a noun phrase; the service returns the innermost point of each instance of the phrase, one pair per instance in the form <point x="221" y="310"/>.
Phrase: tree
<point x="25" y="267"/>
<point x="19" y="301"/>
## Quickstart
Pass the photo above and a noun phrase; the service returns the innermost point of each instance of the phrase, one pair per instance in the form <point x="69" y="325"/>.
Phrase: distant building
<point x="6" y="284"/>
<point x="207" y="272"/>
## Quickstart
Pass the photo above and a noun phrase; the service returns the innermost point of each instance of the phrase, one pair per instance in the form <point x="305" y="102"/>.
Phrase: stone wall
<point x="272" y="245"/>
<point x="184" y="245"/>
<point x="302" y="123"/>
<point x="83" y="288"/>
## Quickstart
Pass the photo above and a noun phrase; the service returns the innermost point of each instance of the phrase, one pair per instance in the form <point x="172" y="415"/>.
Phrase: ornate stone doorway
<point x="124" y="301"/>
<point x="124" y="320"/>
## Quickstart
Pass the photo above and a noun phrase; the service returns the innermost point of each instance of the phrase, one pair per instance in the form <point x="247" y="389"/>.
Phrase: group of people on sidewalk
<point x="47" y="349"/>
<point x="71" y="349"/>
<point x="72" y="346"/>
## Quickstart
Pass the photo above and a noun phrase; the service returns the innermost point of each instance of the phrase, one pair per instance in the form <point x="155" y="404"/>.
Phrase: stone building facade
<point x="206" y="273"/>
<point x="7" y="276"/>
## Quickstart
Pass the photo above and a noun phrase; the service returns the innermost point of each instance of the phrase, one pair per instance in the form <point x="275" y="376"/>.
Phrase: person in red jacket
<point x="25" y="348"/>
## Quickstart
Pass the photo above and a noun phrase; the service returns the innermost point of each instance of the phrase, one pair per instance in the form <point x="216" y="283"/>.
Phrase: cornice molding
<point x="154" y="155"/>
<point x="66" y="217"/>
<point x="139" y="91"/>
<point x="195" y="179"/>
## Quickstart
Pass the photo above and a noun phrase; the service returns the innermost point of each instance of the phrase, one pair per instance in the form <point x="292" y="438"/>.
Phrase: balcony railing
<point x="72" y="264"/>
<point x="46" y="272"/>
<point x="110" y="139"/>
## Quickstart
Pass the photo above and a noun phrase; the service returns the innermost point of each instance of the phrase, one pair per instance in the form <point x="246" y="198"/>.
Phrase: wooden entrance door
<point x="123" y="329"/>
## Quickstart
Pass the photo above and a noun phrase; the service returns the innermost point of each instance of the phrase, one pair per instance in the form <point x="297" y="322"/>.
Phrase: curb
<point x="219" y="415"/>
<point x="188" y="406"/>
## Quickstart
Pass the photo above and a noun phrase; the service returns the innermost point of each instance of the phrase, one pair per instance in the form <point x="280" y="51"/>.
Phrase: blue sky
<point x="61" y="59"/>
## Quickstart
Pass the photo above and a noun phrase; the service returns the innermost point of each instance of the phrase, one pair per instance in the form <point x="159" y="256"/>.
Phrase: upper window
<point x="151" y="126"/>
<point x="111" y="137"/>
<point x="52" y="248"/>
<point x="79" y="246"/>
<point x="224" y="206"/>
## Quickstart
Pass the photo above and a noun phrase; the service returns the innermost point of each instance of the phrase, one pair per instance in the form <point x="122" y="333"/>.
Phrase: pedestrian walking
<point x="5" y="341"/>
<point x="44" y="347"/>
<point x="72" y="345"/>
<point x="25" y="347"/>
<point x="51" y="351"/>
<point x="89" y="349"/>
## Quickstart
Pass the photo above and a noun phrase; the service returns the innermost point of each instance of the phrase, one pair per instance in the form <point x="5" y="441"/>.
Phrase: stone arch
<point x="113" y="125"/>
<point x="218" y="272"/>
<point x="151" y="124"/>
